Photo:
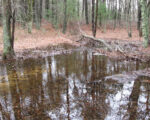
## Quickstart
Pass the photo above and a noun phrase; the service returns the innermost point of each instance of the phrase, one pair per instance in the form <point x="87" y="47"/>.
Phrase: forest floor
<point x="48" y="37"/>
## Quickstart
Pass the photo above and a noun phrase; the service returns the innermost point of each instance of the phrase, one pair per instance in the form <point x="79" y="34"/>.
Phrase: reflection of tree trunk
<point x="68" y="100"/>
<point x="54" y="88"/>
<point x="15" y="92"/>
<point x="148" y="98"/>
<point x="133" y="104"/>
<point x="85" y="66"/>
<point x="51" y="85"/>
<point x="67" y="88"/>
<point x="93" y="68"/>
<point x="4" y="115"/>
<point x="42" y="98"/>
<point x="41" y="105"/>
<point x="103" y="66"/>
<point x="137" y="65"/>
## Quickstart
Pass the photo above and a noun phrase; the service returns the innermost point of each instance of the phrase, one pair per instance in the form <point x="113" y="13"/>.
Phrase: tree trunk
<point x="86" y="12"/>
<point x="38" y="12"/>
<point x="53" y="13"/>
<point x="78" y="6"/>
<point x="30" y="15"/>
<point x="13" y="28"/>
<point x="65" y="17"/>
<point x="93" y="16"/>
<point x="145" y="26"/>
<point x="47" y="8"/>
<point x="83" y="7"/>
<point x="96" y="15"/>
<point x="139" y="20"/>
<point x="129" y="20"/>
<point x="115" y="14"/>
<point x="8" y="30"/>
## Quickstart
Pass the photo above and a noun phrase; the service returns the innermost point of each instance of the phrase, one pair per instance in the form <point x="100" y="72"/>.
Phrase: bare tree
<point x="8" y="29"/>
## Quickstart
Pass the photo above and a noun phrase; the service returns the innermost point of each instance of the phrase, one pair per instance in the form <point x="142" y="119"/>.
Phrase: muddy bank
<point x="41" y="52"/>
<point x="121" y="49"/>
<point x="47" y="40"/>
<point x="132" y="51"/>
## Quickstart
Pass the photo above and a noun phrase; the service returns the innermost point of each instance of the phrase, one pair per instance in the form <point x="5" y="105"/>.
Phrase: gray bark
<point x="145" y="26"/>
<point x="8" y="30"/>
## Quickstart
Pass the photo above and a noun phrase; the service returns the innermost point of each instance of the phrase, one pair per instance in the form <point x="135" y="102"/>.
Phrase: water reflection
<point x="62" y="87"/>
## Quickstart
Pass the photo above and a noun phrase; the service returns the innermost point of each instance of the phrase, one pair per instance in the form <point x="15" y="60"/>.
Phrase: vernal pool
<point x="63" y="87"/>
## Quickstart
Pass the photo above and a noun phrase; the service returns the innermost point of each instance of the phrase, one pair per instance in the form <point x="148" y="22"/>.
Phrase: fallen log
<point x="109" y="47"/>
<point x="99" y="40"/>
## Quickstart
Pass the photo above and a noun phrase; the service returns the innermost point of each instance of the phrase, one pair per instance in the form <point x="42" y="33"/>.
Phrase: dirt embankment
<point x="47" y="37"/>
<point x="124" y="47"/>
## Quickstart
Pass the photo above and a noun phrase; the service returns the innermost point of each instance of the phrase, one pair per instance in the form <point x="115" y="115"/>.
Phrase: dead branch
<point x="99" y="40"/>
<point x="109" y="47"/>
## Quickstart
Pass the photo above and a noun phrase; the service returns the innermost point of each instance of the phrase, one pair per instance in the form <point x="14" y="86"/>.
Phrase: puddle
<point x="61" y="87"/>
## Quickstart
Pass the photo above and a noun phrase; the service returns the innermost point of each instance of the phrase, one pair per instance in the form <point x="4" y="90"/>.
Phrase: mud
<point x="130" y="50"/>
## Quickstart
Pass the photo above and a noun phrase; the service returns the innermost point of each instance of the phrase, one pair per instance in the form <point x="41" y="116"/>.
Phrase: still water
<point x="60" y="87"/>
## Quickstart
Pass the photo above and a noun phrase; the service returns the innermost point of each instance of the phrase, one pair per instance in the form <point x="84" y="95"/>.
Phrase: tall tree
<point x="145" y="26"/>
<point x="139" y="19"/>
<point x="30" y="15"/>
<point x="83" y="7"/>
<point x="65" y="17"/>
<point x="8" y="29"/>
<point x="129" y="19"/>
<point x="38" y="12"/>
<point x="47" y="8"/>
<point x="94" y="17"/>
<point x="86" y="12"/>
<point x="53" y="12"/>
